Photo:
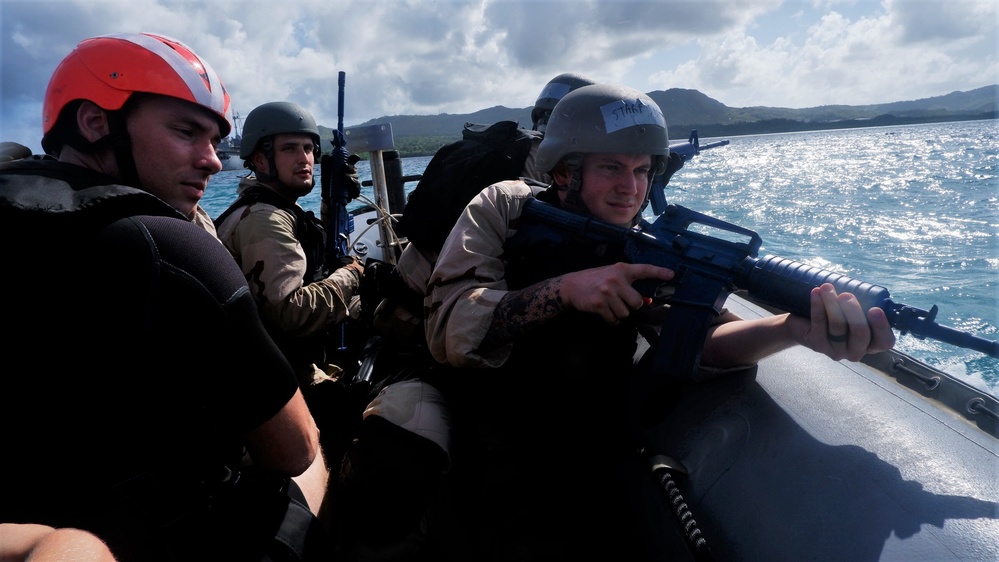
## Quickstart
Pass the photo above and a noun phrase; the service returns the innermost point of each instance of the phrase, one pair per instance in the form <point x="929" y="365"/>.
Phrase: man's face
<point x="174" y="142"/>
<point x="614" y="185"/>
<point x="295" y="158"/>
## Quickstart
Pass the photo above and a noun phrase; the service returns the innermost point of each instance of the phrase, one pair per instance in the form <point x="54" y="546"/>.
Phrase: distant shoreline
<point x="420" y="146"/>
<point x="791" y="126"/>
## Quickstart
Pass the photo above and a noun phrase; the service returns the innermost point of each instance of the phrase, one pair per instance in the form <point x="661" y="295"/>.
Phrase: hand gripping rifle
<point x="709" y="268"/>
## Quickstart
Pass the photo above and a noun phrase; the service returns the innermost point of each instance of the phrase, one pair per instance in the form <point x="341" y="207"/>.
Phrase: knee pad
<point x="393" y="469"/>
<point x="416" y="407"/>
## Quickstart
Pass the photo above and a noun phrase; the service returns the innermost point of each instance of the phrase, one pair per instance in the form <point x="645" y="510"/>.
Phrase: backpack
<point x="486" y="154"/>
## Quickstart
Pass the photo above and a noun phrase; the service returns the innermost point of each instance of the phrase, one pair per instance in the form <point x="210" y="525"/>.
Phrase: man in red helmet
<point x="143" y="399"/>
<point x="154" y="64"/>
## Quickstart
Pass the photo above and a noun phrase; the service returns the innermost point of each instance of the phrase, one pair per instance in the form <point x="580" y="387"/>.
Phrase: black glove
<point x="673" y="164"/>
<point x="351" y="262"/>
<point x="350" y="177"/>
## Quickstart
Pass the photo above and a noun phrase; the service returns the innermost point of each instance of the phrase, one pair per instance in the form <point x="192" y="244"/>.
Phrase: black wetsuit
<point x="134" y="361"/>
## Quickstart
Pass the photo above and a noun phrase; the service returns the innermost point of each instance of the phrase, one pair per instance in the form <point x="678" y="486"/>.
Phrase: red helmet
<point x="107" y="70"/>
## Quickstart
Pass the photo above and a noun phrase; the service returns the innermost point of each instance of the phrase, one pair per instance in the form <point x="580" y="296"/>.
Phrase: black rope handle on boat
<point x="661" y="468"/>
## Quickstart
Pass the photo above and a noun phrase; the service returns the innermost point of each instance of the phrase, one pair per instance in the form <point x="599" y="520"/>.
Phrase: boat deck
<point x="806" y="458"/>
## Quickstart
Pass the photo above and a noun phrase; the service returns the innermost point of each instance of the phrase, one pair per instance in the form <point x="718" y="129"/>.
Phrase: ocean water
<point x="912" y="208"/>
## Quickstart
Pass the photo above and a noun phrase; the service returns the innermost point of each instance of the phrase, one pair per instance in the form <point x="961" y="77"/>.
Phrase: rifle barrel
<point x="787" y="284"/>
<point x="341" y="78"/>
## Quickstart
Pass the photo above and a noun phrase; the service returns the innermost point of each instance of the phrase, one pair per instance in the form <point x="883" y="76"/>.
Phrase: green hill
<point x="422" y="135"/>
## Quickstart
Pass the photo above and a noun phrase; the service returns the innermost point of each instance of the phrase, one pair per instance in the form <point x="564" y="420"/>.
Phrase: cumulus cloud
<point x="458" y="56"/>
<point x="901" y="50"/>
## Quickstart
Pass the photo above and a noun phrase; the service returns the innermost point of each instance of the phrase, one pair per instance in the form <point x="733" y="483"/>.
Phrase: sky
<point x="427" y="57"/>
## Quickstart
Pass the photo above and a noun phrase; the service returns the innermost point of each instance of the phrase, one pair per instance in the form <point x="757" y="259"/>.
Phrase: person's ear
<point x="561" y="175"/>
<point x="92" y="121"/>
<point x="260" y="162"/>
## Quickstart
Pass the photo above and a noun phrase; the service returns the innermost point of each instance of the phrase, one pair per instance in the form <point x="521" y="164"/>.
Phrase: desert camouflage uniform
<point x="468" y="281"/>
<point x="202" y="219"/>
<point x="262" y="239"/>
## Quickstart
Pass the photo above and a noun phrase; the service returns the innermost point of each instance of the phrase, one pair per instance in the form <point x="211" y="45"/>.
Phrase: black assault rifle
<point x="693" y="146"/>
<point x="708" y="268"/>
<point x="335" y="192"/>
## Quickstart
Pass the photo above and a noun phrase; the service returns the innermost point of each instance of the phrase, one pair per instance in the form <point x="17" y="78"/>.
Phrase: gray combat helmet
<point x="273" y="118"/>
<point x="554" y="90"/>
<point x="604" y="118"/>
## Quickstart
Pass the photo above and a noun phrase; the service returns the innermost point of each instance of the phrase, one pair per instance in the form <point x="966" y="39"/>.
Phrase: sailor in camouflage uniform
<point x="541" y="337"/>
<point x="281" y="249"/>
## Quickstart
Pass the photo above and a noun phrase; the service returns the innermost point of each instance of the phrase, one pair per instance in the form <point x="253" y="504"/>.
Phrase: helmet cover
<point x="603" y="118"/>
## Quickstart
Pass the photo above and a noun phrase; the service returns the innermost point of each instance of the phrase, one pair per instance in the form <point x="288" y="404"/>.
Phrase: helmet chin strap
<point x="121" y="145"/>
<point x="573" y="196"/>
<point x="658" y="167"/>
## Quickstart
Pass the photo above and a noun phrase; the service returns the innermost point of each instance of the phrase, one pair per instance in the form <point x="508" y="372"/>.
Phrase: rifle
<point x="687" y="151"/>
<point x="335" y="192"/>
<point x="692" y="147"/>
<point x="709" y="268"/>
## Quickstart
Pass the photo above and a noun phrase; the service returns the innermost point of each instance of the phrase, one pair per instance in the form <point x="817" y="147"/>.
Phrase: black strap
<point x="295" y="536"/>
